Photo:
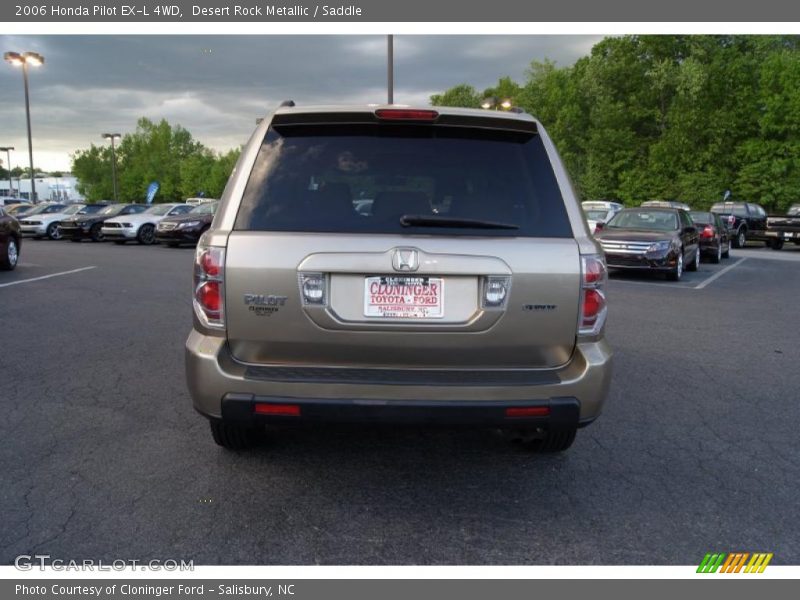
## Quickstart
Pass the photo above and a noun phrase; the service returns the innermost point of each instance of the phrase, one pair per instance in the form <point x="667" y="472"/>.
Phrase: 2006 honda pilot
<point x="403" y="265"/>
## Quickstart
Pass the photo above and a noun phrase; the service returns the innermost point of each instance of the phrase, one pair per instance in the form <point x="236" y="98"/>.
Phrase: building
<point x="62" y="189"/>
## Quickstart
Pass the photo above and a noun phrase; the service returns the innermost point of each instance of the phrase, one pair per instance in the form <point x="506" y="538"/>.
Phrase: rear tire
<point x="555" y="440"/>
<point x="173" y="244"/>
<point x="776" y="244"/>
<point x="727" y="252"/>
<point x="119" y="242"/>
<point x="741" y="238"/>
<point x="233" y="436"/>
<point x="695" y="264"/>
<point x="9" y="256"/>
<point x="717" y="257"/>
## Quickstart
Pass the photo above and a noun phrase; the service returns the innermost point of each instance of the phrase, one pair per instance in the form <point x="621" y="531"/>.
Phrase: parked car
<point x="651" y="239"/>
<point x="715" y="241"/>
<point x="305" y="309"/>
<point x="82" y="226"/>
<point x="141" y="227"/>
<point x="10" y="241"/>
<point x="19" y="209"/>
<point x="203" y="200"/>
<point x="746" y="221"/>
<point x="41" y="223"/>
<point x="666" y="204"/>
<point x="784" y="228"/>
<point x="599" y="212"/>
<point x="188" y="227"/>
<point x="27" y="220"/>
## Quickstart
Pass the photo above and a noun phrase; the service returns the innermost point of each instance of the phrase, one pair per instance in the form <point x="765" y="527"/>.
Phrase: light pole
<point x="112" y="137"/>
<point x="390" y="68"/>
<point x="23" y="60"/>
<point x="8" y="150"/>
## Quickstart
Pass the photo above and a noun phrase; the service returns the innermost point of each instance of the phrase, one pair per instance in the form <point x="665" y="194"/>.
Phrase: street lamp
<point x="23" y="60"/>
<point x="8" y="150"/>
<point x="112" y="137"/>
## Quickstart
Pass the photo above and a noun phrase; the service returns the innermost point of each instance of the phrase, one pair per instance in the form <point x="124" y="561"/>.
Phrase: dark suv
<point x="746" y="221"/>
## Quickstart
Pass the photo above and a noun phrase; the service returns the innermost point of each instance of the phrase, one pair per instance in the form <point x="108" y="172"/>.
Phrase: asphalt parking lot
<point x="103" y="457"/>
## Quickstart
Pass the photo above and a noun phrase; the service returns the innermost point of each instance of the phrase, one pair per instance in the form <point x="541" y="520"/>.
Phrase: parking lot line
<point x="718" y="274"/>
<point x="46" y="276"/>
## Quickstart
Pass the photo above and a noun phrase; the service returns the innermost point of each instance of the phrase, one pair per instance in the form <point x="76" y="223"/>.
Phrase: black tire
<point x="119" y="242"/>
<point x="233" y="436"/>
<point x="555" y="440"/>
<point x="677" y="272"/>
<point x="716" y="258"/>
<point x="696" y="262"/>
<point x="727" y="252"/>
<point x="173" y="244"/>
<point x="75" y="239"/>
<point x="146" y="234"/>
<point x="740" y="239"/>
<point x="776" y="244"/>
<point x="54" y="231"/>
<point x="9" y="257"/>
<point x="96" y="233"/>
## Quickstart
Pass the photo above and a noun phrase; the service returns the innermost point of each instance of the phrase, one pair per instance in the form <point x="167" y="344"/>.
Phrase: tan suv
<point x="404" y="265"/>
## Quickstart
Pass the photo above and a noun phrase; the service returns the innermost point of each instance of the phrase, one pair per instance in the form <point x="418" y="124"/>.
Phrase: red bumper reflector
<point x="528" y="411"/>
<point x="286" y="410"/>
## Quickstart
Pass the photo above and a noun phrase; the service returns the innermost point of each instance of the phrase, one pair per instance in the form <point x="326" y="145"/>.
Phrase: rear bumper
<point x="783" y="235"/>
<point x="224" y="388"/>
<point x="557" y="413"/>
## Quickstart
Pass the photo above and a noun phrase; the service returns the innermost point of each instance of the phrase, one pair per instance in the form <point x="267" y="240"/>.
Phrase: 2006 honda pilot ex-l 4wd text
<point x="403" y="265"/>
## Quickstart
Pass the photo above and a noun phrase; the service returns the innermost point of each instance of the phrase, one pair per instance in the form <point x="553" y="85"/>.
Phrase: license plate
<point x="404" y="297"/>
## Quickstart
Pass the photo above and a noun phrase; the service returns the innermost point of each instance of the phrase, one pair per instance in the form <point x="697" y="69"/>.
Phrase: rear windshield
<point x="702" y="218"/>
<point x="729" y="208"/>
<point x="645" y="219"/>
<point x="363" y="178"/>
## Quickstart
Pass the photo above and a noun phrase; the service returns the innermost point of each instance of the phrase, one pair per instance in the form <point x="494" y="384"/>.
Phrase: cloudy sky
<point x="216" y="86"/>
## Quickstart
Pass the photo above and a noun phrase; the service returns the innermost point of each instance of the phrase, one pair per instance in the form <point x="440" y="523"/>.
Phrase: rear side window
<point x="362" y="178"/>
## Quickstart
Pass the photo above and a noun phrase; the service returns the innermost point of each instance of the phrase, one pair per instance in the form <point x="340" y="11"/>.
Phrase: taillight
<point x="209" y="286"/>
<point x="593" y="298"/>
<point x="731" y="220"/>
<point x="598" y="227"/>
<point x="404" y="114"/>
<point x="708" y="232"/>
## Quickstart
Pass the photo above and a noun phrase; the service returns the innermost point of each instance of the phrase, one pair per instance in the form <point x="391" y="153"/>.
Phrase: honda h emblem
<point x="405" y="259"/>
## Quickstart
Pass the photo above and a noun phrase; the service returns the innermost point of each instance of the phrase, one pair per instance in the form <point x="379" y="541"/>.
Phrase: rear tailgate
<point x="268" y="322"/>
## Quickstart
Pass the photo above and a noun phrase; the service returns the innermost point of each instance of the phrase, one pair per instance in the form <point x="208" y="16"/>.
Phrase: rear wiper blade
<point x="442" y="221"/>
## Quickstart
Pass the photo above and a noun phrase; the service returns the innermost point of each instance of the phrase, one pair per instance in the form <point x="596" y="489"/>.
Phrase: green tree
<point x="463" y="96"/>
<point x="92" y="168"/>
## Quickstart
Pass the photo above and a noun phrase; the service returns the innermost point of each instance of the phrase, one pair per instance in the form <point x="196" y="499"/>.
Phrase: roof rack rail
<point x="287" y="103"/>
<point x="516" y="109"/>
